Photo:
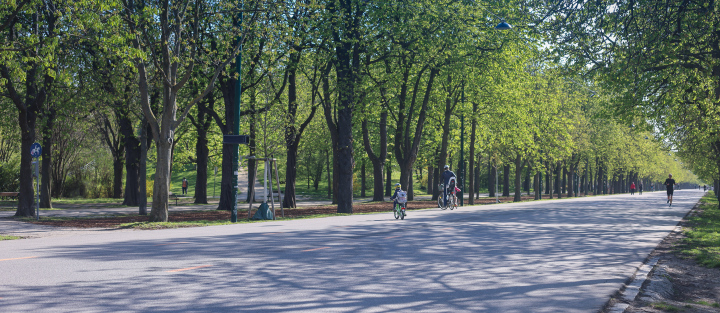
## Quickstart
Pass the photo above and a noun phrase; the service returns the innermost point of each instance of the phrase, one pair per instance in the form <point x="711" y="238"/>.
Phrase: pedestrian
<point x="640" y="188"/>
<point x="704" y="187"/>
<point x="670" y="183"/>
<point x="184" y="186"/>
<point x="632" y="188"/>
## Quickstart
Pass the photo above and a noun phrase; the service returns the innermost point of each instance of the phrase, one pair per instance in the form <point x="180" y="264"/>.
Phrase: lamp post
<point x="236" y="119"/>
<point x="462" y="150"/>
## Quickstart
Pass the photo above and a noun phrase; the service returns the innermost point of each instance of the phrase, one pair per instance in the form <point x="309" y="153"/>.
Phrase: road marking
<point x="391" y="237"/>
<point x="189" y="268"/>
<point x="27" y="257"/>
<point x="315" y="249"/>
<point x="167" y="244"/>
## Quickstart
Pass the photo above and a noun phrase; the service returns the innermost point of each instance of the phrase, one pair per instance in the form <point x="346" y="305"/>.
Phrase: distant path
<point x="544" y="256"/>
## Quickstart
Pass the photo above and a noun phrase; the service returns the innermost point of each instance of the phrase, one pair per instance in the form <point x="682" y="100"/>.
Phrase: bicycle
<point x="399" y="210"/>
<point x="400" y="205"/>
<point x="452" y="199"/>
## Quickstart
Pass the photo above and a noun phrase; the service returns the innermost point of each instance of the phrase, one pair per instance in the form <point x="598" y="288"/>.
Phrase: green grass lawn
<point x="703" y="239"/>
<point x="3" y="237"/>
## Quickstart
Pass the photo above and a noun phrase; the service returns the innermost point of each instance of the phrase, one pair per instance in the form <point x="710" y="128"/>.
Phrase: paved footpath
<point x="545" y="256"/>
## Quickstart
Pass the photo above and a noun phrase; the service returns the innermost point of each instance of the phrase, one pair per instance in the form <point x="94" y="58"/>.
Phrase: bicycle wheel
<point x="440" y="202"/>
<point x="402" y="215"/>
<point x="396" y="211"/>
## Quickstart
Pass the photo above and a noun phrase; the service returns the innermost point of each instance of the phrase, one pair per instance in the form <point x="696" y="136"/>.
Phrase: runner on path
<point x="670" y="182"/>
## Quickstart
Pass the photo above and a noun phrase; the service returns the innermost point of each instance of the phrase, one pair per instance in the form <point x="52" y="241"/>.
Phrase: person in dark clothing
<point x="670" y="183"/>
<point x="704" y="187"/>
<point x="640" y="188"/>
<point x="447" y="174"/>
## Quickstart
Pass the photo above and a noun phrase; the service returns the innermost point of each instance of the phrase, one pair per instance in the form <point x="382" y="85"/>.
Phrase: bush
<point x="10" y="175"/>
<point x="149" y="187"/>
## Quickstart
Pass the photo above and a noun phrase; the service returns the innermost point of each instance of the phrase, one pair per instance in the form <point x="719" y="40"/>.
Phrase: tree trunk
<point x="142" y="168"/>
<point x="492" y="173"/>
<point x="202" y="152"/>
<point x="290" y="177"/>
<point x="564" y="181"/>
<point x="118" y="163"/>
<point x="518" y="178"/>
<point x="558" y="180"/>
<point x="536" y="184"/>
<point x="362" y="178"/>
<point x="571" y="181"/>
<point x="430" y="176"/>
<point x="506" y="180"/>
<point x="548" y="175"/>
<point x="329" y="182"/>
<point x="471" y="186"/>
<point x="388" y="180"/>
<point x="161" y="190"/>
<point x="132" y="160"/>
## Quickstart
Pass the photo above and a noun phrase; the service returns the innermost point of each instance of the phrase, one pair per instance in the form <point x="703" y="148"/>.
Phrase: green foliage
<point x="10" y="175"/>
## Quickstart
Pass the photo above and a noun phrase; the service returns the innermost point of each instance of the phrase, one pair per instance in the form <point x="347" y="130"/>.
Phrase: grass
<point x="715" y="304"/>
<point x="703" y="239"/>
<point x="4" y="237"/>
<point x="86" y="201"/>
<point x="666" y="307"/>
<point x="202" y="223"/>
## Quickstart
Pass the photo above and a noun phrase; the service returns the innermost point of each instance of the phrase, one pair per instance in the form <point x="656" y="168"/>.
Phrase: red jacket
<point x="632" y="186"/>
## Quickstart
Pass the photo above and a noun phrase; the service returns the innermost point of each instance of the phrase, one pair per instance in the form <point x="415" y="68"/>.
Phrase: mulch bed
<point x="216" y="215"/>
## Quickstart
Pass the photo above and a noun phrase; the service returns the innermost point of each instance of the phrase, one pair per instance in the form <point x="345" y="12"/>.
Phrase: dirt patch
<point x="215" y="215"/>
<point x="694" y="288"/>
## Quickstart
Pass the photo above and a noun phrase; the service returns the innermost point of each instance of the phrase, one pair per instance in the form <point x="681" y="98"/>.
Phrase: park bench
<point x="9" y="195"/>
<point x="175" y="197"/>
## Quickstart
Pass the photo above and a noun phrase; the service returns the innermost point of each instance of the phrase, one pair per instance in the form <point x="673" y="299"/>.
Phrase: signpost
<point x="36" y="152"/>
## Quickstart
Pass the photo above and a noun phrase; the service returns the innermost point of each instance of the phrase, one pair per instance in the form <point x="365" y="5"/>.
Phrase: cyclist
<point x="399" y="193"/>
<point x="670" y="182"/>
<point x="447" y="174"/>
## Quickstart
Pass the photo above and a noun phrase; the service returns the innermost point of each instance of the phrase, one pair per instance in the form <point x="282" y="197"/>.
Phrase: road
<point x="545" y="256"/>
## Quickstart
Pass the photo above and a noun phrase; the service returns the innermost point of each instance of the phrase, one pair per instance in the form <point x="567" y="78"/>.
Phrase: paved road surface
<point x="545" y="256"/>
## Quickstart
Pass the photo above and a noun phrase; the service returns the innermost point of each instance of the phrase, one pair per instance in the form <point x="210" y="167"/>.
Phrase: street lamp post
<point x="236" y="119"/>
<point x="462" y="147"/>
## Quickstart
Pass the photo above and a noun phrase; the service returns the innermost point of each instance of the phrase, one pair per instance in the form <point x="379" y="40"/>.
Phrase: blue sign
<point x="35" y="150"/>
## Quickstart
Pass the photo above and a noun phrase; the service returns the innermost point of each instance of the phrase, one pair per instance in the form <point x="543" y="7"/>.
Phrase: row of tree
<point x="388" y="82"/>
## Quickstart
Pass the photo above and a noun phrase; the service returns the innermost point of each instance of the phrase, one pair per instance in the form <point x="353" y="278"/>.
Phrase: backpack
<point x="401" y="196"/>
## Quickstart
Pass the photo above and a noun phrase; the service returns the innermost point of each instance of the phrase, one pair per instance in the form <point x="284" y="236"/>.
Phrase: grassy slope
<point x="703" y="240"/>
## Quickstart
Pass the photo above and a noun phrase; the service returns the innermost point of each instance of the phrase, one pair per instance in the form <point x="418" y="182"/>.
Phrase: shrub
<point x="149" y="187"/>
<point x="10" y="175"/>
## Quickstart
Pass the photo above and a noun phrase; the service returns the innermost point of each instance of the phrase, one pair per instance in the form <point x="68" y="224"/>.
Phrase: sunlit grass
<point x="703" y="239"/>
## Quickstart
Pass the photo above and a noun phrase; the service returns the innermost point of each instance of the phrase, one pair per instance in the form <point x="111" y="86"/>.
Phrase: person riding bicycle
<point x="447" y="174"/>
<point x="399" y="193"/>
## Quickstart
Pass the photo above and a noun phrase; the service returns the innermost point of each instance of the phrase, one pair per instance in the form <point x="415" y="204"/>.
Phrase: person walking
<point x="184" y="186"/>
<point x="632" y="188"/>
<point x="640" y="188"/>
<point x="670" y="183"/>
<point x="704" y="187"/>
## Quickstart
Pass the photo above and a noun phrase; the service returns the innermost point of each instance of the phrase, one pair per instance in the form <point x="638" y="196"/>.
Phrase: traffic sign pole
<point x="35" y="153"/>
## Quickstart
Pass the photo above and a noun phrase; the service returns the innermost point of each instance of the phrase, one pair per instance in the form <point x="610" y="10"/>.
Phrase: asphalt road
<point x="545" y="256"/>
